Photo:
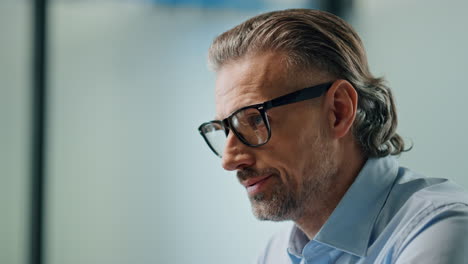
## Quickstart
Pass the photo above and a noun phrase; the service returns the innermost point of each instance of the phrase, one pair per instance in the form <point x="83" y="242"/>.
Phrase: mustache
<point x="248" y="173"/>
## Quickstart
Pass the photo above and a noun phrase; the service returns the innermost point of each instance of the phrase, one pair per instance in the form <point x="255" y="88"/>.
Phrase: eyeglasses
<point x="250" y="123"/>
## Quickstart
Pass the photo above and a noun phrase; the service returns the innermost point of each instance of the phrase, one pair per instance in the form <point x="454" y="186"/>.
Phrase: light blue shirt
<point x="388" y="215"/>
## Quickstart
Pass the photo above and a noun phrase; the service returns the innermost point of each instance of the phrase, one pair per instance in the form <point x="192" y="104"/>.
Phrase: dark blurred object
<point x="241" y="4"/>
<point x="341" y="8"/>
<point x="39" y="84"/>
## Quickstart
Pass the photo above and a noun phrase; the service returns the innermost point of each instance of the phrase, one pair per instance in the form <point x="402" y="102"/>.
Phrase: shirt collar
<point x="350" y="225"/>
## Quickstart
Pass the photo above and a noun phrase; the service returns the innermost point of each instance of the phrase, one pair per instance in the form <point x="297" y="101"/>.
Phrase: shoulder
<point x="433" y="224"/>
<point x="414" y="196"/>
<point x="436" y="200"/>
<point x="438" y="236"/>
<point x="436" y="203"/>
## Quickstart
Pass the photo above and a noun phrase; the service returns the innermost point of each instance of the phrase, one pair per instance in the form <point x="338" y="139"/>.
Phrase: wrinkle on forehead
<point x="247" y="81"/>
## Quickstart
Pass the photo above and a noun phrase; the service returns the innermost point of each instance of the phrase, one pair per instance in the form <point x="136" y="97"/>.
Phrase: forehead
<point x="251" y="80"/>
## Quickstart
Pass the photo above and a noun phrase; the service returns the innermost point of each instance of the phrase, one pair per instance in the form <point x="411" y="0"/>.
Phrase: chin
<point x="273" y="209"/>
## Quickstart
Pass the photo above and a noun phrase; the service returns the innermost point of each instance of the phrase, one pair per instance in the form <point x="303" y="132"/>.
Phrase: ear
<point x="341" y="103"/>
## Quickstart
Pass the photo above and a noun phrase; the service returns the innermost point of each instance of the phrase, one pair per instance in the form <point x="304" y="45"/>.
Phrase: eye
<point x="255" y="121"/>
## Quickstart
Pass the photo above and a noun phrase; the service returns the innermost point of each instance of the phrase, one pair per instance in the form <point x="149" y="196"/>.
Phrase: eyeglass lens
<point x="215" y="136"/>
<point x="248" y="124"/>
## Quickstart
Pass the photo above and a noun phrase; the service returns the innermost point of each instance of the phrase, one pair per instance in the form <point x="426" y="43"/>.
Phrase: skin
<point x="312" y="156"/>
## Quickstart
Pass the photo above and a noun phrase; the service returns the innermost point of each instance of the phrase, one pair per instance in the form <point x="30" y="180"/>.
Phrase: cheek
<point x="288" y="157"/>
<point x="292" y="152"/>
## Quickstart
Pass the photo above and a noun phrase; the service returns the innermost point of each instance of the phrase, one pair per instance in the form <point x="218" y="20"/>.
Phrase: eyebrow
<point x="293" y="97"/>
<point x="216" y="117"/>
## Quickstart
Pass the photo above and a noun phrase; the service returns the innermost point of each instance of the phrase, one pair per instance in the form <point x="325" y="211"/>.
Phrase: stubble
<point x="284" y="202"/>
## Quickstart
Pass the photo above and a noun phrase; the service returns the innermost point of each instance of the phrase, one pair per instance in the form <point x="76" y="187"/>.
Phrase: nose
<point x="236" y="155"/>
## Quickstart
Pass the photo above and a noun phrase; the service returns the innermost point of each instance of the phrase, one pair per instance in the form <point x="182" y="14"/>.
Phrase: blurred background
<point x="101" y="160"/>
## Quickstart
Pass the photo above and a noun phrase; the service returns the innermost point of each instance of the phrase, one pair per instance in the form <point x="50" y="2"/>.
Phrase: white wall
<point x="420" y="46"/>
<point x="15" y="44"/>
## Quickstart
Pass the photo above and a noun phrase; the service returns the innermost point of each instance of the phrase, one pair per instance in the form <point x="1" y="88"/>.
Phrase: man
<point x="311" y="134"/>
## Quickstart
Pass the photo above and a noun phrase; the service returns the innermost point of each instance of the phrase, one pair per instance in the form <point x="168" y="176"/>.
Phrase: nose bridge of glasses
<point x="226" y="126"/>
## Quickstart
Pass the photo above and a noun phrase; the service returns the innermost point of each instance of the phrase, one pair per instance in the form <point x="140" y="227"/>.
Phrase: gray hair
<point x="317" y="39"/>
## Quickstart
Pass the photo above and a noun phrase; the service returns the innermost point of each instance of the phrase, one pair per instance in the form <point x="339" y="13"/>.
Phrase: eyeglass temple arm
<point x="301" y="95"/>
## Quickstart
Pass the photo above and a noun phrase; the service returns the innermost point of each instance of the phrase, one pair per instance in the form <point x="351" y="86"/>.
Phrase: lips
<point x="257" y="184"/>
<point x="252" y="181"/>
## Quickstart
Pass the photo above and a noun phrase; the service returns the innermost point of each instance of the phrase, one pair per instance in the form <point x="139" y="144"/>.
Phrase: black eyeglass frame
<point x="294" y="97"/>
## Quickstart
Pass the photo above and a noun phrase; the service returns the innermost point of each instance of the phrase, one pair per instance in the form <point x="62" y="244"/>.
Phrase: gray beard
<point x="279" y="207"/>
<point x="284" y="204"/>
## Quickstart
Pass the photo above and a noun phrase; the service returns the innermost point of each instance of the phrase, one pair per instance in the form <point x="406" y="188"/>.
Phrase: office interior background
<point x="126" y="176"/>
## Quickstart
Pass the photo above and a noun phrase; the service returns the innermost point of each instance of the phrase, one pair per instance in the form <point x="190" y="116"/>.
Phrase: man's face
<point x="293" y="172"/>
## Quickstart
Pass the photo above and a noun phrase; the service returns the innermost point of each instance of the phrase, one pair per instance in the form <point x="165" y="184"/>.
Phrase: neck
<point x="349" y="166"/>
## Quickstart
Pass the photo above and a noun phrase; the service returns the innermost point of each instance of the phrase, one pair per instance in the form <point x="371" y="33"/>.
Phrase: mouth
<point x="255" y="185"/>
